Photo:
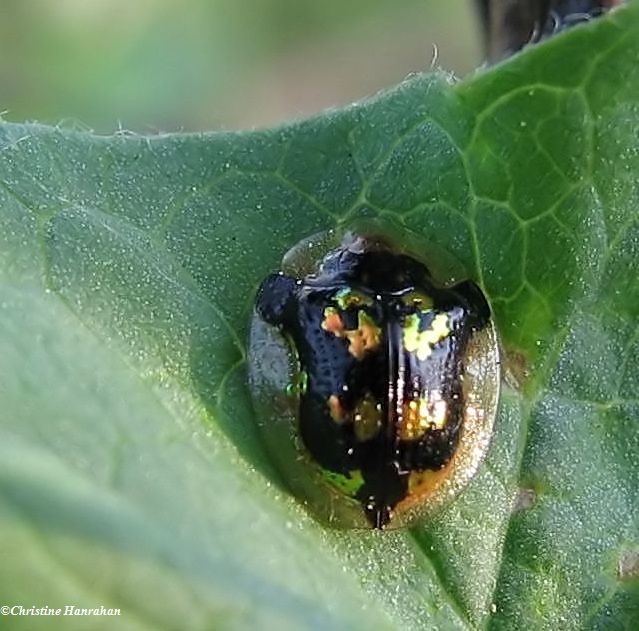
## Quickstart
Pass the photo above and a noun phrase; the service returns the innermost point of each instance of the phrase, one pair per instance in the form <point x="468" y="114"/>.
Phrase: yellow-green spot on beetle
<point x="348" y="484"/>
<point x="298" y="385"/>
<point x="422" y="342"/>
<point x="346" y="298"/>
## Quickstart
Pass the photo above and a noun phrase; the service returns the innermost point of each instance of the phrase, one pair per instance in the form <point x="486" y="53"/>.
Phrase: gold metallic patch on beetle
<point x="418" y="299"/>
<point x="365" y="337"/>
<point x="413" y="424"/>
<point x="335" y="408"/>
<point x="425" y="482"/>
<point x="422" y="342"/>
<point x="421" y="415"/>
<point x="367" y="418"/>
<point x="348" y="297"/>
<point x="437" y="410"/>
<point x="422" y="485"/>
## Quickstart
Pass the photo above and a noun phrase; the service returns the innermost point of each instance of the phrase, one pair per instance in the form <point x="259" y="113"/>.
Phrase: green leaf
<point x="131" y="474"/>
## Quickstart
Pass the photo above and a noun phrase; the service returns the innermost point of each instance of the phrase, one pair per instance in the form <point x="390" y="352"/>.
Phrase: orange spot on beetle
<point x="336" y="409"/>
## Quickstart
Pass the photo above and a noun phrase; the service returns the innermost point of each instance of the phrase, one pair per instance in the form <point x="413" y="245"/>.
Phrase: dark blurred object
<point x="511" y="24"/>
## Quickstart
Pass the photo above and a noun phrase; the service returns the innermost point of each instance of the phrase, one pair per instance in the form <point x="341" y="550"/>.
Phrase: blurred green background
<point x="167" y="65"/>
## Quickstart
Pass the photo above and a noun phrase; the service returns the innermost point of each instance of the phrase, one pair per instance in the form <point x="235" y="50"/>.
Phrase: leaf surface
<point x="131" y="473"/>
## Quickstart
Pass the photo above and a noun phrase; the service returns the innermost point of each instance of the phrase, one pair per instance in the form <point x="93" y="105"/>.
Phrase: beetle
<point x="391" y="382"/>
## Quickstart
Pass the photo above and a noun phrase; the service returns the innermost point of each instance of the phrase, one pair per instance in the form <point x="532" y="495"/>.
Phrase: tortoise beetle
<point x="376" y="386"/>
